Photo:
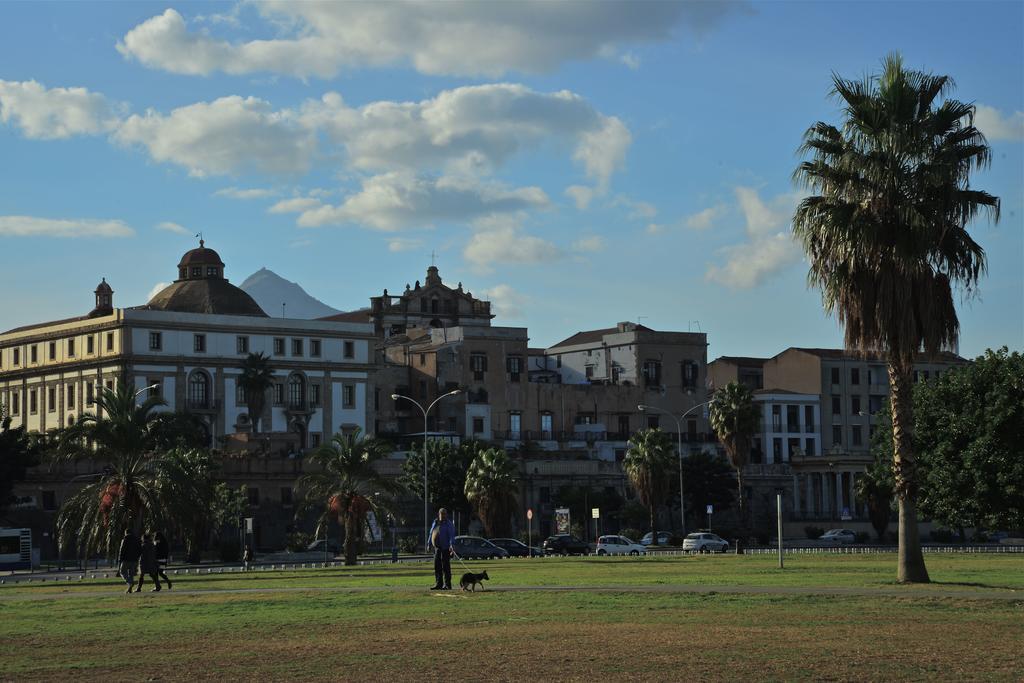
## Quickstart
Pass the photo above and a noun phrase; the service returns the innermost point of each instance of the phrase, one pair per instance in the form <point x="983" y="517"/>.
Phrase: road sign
<point x="529" y="513"/>
<point x="710" y="509"/>
<point x="595" y="513"/>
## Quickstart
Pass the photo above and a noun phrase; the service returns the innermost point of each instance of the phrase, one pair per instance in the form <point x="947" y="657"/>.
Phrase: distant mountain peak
<point x="271" y="290"/>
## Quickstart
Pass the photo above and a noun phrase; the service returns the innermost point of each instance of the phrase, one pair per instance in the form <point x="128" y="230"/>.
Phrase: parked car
<point x="705" y="542"/>
<point x="516" y="548"/>
<point x="838" y="537"/>
<point x="565" y="544"/>
<point x="619" y="545"/>
<point x="318" y="547"/>
<point x="476" y="548"/>
<point x="663" y="538"/>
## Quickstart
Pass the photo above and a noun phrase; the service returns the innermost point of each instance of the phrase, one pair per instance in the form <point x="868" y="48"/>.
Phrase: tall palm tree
<point x="345" y="484"/>
<point x="491" y="489"/>
<point x="735" y="419"/>
<point x="886" y="237"/>
<point x="648" y="464"/>
<point x="131" y="490"/>
<point x="255" y="380"/>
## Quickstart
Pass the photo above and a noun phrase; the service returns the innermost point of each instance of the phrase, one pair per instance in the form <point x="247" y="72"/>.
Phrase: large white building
<point x="187" y="343"/>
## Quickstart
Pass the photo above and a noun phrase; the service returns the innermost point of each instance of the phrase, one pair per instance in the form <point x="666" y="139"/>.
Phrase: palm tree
<point x="886" y="237"/>
<point x="255" y="380"/>
<point x="735" y="419"/>
<point x="345" y="484"/>
<point x="491" y="489"/>
<point x="133" y="488"/>
<point x="648" y="464"/>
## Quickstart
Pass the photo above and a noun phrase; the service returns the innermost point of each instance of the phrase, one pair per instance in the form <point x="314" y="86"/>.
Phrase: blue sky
<point x="577" y="163"/>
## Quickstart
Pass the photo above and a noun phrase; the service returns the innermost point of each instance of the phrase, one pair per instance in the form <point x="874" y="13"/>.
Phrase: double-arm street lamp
<point x="425" y="411"/>
<point x="145" y="389"/>
<point x="679" y="449"/>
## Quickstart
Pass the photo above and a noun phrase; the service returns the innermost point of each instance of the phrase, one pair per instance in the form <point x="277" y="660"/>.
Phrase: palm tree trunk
<point x="654" y="532"/>
<point x="911" y="568"/>
<point x="741" y="500"/>
<point x="351" y="547"/>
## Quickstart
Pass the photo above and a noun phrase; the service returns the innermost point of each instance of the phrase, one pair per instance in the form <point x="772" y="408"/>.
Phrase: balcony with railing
<point x="202" y="404"/>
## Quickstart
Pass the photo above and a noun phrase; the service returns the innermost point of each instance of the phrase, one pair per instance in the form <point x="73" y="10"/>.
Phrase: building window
<point x="15" y="403"/>
<point x="793" y="446"/>
<point x="837" y="405"/>
<point x="296" y="347"/>
<point x="875" y="404"/>
<point x="286" y="495"/>
<point x="110" y="341"/>
<point x="110" y="384"/>
<point x="515" y="368"/>
<point x="588" y="371"/>
<point x="156" y="341"/>
<point x="558" y="361"/>
<point x="90" y="344"/>
<point x="314" y="394"/>
<point x="71" y="395"/>
<point x="478" y="364"/>
<point x="809" y="447"/>
<point x="51" y="399"/>
<point x="776" y="450"/>
<point x="90" y="395"/>
<point x="197" y="271"/>
<point x="211" y="271"/>
<point x="837" y="434"/>
<point x="33" y="402"/>
<point x="545" y="423"/>
<point x="478" y="425"/>
<point x="155" y="387"/>
<point x="808" y="418"/>
<point x="53" y="350"/>
<point x="49" y="501"/>
<point x="689" y="374"/>
<point x="349" y="350"/>
<point x="240" y="398"/>
<point x="314" y="348"/>
<point x="856" y="437"/>
<point x="278" y="346"/>
<point x="835" y="375"/>
<point x="348" y="396"/>
<point x="33" y="354"/>
<point x="652" y="373"/>
<point x="315" y="439"/>
<point x="278" y="394"/>
<point x="423" y="359"/>
<point x="855" y="404"/>
<point x="199" y="343"/>
<point x="624" y="425"/>
<point x="253" y="494"/>
<point x="198" y="390"/>
<point x="776" y="418"/>
<point x="792" y="418"/>
<point x="854" y="375"/>
<point x="653" y="421"/>
<point x="242" y="344"/>
<point x="515" y="425"/>
<point x="17" y="356"/>
<point x="296" y="391"/>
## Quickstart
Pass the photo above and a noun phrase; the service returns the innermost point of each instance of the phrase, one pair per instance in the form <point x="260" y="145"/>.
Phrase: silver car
<point x="705" y="542"/>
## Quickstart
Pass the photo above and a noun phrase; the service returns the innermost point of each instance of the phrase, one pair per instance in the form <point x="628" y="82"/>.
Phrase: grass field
<point x="717" y="617"/>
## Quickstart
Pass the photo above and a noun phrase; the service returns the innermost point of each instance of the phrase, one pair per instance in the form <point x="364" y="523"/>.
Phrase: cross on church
<point x="432" y="257"/>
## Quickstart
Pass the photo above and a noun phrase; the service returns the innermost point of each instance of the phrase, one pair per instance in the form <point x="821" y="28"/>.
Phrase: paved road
<point x="1007" y="594"/>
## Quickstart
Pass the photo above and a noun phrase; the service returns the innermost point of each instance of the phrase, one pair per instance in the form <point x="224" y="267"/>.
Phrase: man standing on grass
<point x="442" y="533"/>
<point x="128" y="558"/>
<point x="148" y="564"/>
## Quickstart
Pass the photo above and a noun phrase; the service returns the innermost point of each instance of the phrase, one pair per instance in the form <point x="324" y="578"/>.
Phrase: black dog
<point x="469" y="579"/>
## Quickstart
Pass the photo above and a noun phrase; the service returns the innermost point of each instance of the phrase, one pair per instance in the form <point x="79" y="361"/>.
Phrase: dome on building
<point x="202" y="288"/>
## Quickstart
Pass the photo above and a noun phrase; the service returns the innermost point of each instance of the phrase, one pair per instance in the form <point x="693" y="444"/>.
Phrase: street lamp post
<point x="426" y="490"/>
<point x="679" y="450"/>
<point x="144" y="389"/>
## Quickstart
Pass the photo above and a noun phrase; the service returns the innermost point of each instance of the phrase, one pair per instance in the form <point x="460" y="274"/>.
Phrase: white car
<point x="838" y="537"/>
<point x="619" y="545"/>
<point x="705" y="542"/>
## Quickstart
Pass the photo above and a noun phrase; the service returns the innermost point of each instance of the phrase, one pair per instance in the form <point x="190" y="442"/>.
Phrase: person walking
<point x="442" y="534"/>
<point x="247" y="557"/>
<point x="128" y="557"/>
<point x="147" y="563"/>
<point x="162" y="556"/>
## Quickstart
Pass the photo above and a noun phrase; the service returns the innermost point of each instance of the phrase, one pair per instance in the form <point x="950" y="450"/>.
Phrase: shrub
<point x="298" y="541"/>
<point x="632" y="534"/>
<point x="813" y="532"/>
<point x="862" y="537"/>
<point x="408" y="544"/>
<point x="943" y="536"/>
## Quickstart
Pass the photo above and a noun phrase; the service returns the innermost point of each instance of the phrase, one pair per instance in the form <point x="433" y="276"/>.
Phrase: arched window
<point x="198" y="390"/>
<point x="433" y="305"/>
<point x="296" y="391"/>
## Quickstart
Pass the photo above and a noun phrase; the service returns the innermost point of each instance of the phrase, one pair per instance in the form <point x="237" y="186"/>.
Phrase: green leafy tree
<point x="18" y="452"/>
<point x="186" y="481"/>
<point x="648" y="467"/>
<point x="886" y="237"/>
<point x="491" y="488"/>
<point x="178" y="430"/>
<point x="710" y="480"/>
<point x="255" y="380"/>
<point x="581" y="500"/>
<point x="735" y="419"/>
<point x="136" y="488"/>
<point x="875" y="487"/>
<point x="344" y="482"/>
<point x="446" y="469"/>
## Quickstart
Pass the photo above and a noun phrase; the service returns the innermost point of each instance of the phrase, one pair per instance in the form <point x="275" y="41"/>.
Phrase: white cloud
<point x="508" y="244"/>
<point x="295" y="205"/>
<point x="702" y="220"/>
<point x="175" y="228"/>
<point x="636" y="209"/>
<point x="229" y="135"/>
<point x="769" y="247"/>
<point x="399" y="244"/>
<point x="630" y="59"/>
<point x="464" y="38"/>
<point x="31" y="226"/>
<point x="996" y="126"/>
<point x="157" y="288"/>
<point x="244" y="193"/>
<point x="506" y="302"/>
<point x="581" y="195"/>
<point x="52" y="113"/>
<point x="655" y="228"/>
<point x="393" y="201"/>
<point x="590" y="244"/>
